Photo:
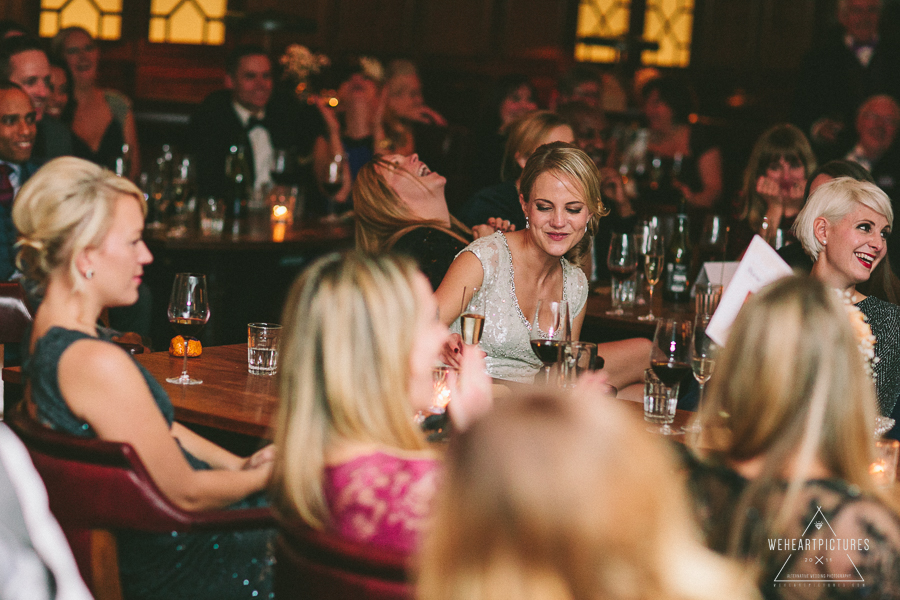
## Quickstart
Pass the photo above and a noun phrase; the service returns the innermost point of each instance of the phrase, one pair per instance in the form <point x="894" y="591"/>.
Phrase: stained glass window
<point x="102" y="18"/>
<point x="669" y="22"/>
<point x="187" y="21"/>
<point x="601" y="18"/>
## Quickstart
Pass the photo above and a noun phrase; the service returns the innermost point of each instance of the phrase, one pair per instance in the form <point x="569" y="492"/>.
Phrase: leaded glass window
<point x="102" y="18"/>
<point x="187" y="21"/>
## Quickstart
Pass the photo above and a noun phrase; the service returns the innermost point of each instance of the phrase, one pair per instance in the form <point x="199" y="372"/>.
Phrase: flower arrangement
<point x="299" y="63"/>
<point x="372" y="68"/>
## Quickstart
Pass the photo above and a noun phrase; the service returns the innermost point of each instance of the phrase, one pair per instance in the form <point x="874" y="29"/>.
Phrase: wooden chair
<point x="312" y="564"/>
<point x="15" y="317"/>
<point x="96" y="487"/>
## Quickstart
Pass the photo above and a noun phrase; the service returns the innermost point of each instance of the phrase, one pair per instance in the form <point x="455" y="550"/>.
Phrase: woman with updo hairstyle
<point x="81" y="242"/>
<point x="560" y="196"/>
<point x="781" y="475"/>
<point x="566" y="498"/>
<point x="360" y="341"/>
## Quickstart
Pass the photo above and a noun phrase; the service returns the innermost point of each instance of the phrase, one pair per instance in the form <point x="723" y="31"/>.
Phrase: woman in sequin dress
<point x="560" y="195"/>
<point x="81" y="242"/>
<point x="360" y="342"/>
<point x="844" y="228"/>
<point x="781" y="476"/>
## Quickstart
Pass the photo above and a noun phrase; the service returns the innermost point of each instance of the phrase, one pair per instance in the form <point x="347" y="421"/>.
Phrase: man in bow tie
<point x="849" y="65"/>
<point x="245" y="114"/>
<point x="18" y="128"/>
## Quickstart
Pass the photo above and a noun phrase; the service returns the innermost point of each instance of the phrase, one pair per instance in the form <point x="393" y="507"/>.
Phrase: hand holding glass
<point x="188" y="313"/>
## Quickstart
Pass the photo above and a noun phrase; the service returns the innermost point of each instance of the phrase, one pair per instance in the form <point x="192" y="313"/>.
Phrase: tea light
<point x="280" y="213"/>
<point x="278" y="231"/>
<point x="884" y="469"/>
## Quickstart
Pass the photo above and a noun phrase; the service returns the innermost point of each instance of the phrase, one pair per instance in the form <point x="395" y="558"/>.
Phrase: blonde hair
<point x="791" y="388"/>
<point x="781" y="141"/>
<point x="382" y="217"/>
<point x="834" y="200"/>
<point x="567" y="161"/>
<point x="345" y="353"/>
<point x="553" y="497"/>
<point x="64" y="208"/>
<point x="525" y="134"/>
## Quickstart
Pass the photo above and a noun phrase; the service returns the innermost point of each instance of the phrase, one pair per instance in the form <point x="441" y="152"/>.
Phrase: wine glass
<point x="471" y="321"/>
<point x="622" y="263"/>
<point x="334" y="179"/>
<point x="703" y="362"/>
<point x="188" y="313"/>
<point x="653" y="263"/>
<point x="670" y="360"/>
<point x="546" y="344"/>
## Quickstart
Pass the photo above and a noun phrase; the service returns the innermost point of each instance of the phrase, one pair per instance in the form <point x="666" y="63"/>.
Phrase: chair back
<point x="312" y="564"/>
<point x="100" y="486"/>
<point x="15" y="318"/>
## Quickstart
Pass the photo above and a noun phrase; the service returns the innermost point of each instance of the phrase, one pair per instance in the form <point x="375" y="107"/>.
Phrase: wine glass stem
<point x="700" y="401"/>
<point x="650" y="314"/>
<point x="184" y="374"/>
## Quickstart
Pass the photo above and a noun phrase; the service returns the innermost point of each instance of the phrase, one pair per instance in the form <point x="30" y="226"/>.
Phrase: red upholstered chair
<point x="15" y="317"/>
<point x="312" y="564"/>
<point x="96" y="487"/>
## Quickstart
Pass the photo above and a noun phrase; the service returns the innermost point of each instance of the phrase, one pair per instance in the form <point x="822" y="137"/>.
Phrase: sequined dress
<point x="506" y="338"/>
<point x="884" y="320"/>
<point x="192" y="566"/>
<point x="381" y="499"/>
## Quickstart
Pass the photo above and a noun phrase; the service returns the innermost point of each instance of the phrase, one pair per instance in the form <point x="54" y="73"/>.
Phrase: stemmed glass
<point x="546" y="344"/>
<point x="670" y="360"/>
<point x="653" y="264"/>
<point x="622" y="263"/>
<point x="188" y="313"/>
<point x="472" y="319"/>
<point x="703" y="362"/>
<point x="334" y="179"/>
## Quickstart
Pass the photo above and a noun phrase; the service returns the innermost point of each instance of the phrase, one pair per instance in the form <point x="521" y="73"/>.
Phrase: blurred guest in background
<point x="403" y="106"/>
<point x="58" y="102"/>
<point x="788" y="442"/>
<point x="102" y="123"/>
<point x="586" y="83"/>
<point x="876" y="148"/>
<point x="567" y="498"/>
<point x="23" y="61"/>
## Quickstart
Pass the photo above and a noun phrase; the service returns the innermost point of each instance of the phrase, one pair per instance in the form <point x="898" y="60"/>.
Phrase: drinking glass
<point x="188" y="313"/>
<point x="575" y="359"/>
<point x="670" y="359"/>
<point x="334" y="179"/>
<point x="703" y="363"/>
<point x="262" y="348"/>
<point x="653" y="264"/>
<point x="471" y="320"/>
<point x="622" y="263"/>
<point x="546" y="344"/>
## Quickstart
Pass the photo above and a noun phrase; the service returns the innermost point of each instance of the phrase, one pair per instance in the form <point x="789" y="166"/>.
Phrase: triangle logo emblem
<point x="820" y="544"/>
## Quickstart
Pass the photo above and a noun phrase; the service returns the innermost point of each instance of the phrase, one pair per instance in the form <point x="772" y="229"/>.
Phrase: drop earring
<point x="527" y="223"/>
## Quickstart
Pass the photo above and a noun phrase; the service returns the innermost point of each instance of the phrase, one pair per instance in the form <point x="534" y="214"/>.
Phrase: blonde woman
<point x="81" y="242"/>
<point x="788" y="425"/>
<point x="560" y="196"/>
<point x="567" y="498"/>
<point x="360" y="342"/>
<point x="844" y="228"/>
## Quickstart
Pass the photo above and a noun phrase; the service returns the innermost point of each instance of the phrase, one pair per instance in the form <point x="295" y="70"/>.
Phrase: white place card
<point x="760" y="266"/>
<point x="716" y="273"/>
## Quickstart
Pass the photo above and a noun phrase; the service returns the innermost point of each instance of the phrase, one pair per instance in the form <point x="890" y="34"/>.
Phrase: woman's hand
<point x="453" y="347"/>
<point x="493" y="225"/>
<point x="426" y="114"/>
<point x="595" y="384"/>
<point x="613" y="189"/>
<point x="471" y="396"/>
<point x="259" y="458"/>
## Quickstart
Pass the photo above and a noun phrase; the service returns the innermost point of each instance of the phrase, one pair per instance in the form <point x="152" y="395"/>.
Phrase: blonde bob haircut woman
<point x="570" y="164"/>
<point x="64" y="208"/>
<point x="382" y="217"/>
<point x="791" y="390"/>
<point x="345" y="356"/>
<point x="525" y="135"/>
<point x="566" y="498"/>
<point x="834" y="200"/>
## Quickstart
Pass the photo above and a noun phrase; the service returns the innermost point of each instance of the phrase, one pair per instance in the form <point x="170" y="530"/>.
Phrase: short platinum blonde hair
<point x="833" y="201"/>
<point x="63" y="209"/>
<point x="565" y="497"/>
<point x="345" y="374"/>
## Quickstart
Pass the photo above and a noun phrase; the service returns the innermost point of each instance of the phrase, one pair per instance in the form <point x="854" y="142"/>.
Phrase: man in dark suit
<point x="24" y="62"/>
<point x="17" y="132"/>
<point x="247" y="114"/>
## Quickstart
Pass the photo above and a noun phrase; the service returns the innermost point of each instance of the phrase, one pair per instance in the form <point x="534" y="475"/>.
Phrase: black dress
<point x="433" y="249"/>
<point x="192" y="566"/>
<point x="884" y="320"/>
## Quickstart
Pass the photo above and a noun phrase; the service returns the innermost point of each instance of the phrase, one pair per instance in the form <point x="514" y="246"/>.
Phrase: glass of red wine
<point x="188" y="313"/>
<point x="622" y="263"/>
<point x="670" y="359"/>
<point x="549" y="329"/>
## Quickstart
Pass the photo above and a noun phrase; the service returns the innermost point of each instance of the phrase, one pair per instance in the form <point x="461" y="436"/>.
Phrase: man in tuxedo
<point x="245" y="113"/>
<point x="18" y="129"/>
<point x="23" y="61"/>
<point x="875" y="147"/>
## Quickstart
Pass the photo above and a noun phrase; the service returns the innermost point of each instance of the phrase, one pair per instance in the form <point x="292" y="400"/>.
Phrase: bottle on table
<point x="676" y="281"/>
<point x="238" y="172"/>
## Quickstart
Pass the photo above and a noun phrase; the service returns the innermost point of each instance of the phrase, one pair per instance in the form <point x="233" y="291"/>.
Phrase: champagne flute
<point x="622" y="263"/>
<point x="670" y="360"/>
<point x="703" y="363"/>
<point x="653" y="263"/>
<point x="472" y="319"/>
<point x="546" y="344"/>
<point x="334" y="179"/>
<point x="188" y="313"/>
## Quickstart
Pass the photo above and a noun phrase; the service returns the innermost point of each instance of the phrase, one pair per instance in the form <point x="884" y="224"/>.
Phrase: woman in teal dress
<point x="81" y="242"/>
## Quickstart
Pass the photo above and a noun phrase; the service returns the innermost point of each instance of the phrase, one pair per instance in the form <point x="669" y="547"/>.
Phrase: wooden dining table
<point x="599" y="326"/>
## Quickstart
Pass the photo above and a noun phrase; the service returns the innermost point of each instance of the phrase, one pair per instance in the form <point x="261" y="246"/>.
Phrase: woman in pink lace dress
<point x="361" y="339"/>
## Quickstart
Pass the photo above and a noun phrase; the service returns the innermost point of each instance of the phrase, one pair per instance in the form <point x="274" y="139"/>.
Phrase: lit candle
<point x="279" y="213"/>
<point x="278" y="231"/>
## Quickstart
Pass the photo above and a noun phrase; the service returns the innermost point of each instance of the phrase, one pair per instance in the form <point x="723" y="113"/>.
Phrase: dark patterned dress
<point x="192" y="566"/>
<point x="884" y="320"/>
<point x="839" y="542"/>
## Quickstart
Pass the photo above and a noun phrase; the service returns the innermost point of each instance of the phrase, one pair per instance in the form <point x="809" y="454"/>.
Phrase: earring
<point x="527" y="224"/>
<point x="89" y="274"/>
